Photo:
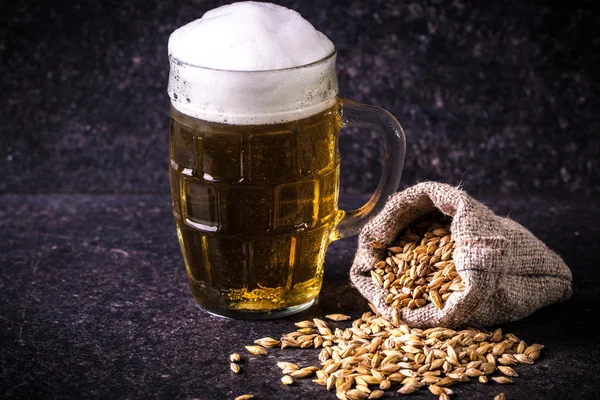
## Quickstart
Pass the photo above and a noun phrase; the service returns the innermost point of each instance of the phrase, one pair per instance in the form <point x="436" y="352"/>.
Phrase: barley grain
<point x="267" y="342"/>
<point x="235" y="368"/>
<point x="337" y="317"/>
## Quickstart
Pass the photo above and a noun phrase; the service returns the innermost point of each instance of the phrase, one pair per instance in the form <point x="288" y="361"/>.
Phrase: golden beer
<point x="254" y="160"/>
<point x="254" y="207"/>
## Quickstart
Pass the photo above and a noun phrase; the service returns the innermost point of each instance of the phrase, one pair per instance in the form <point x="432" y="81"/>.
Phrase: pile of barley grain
<point x="419" y="268"/>
<point x="374" y="354"/>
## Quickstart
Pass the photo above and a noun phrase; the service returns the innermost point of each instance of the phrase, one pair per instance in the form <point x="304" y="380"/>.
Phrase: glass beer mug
<point x="254" y="174"/>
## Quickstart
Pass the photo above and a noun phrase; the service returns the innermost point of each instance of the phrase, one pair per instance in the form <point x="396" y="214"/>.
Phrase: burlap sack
<point x="508" y="272"/>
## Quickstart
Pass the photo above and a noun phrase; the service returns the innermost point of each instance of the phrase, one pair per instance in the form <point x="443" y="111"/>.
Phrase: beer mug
<point x="255" y="177"/>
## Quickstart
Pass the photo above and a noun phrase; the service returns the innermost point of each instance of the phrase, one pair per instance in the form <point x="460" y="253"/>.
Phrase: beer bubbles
<point x="251" y="63"/>
<point x="249" y="36"/>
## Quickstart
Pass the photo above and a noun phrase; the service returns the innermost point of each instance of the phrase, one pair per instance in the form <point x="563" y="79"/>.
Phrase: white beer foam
<point x="249" y="36"/>
<point x="251" y="63"/>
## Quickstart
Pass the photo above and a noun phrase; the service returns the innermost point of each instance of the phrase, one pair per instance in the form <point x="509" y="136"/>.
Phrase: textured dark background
<point x="501" y="96"/>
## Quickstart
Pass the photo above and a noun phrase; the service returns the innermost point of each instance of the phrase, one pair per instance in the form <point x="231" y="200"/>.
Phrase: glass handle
<point x="360" y="115"/>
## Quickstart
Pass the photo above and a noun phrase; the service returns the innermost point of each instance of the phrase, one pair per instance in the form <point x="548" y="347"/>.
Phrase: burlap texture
<point x="508" y="272"/>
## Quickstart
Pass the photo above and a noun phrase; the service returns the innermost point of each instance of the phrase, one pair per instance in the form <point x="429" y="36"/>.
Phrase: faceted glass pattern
<point x="254" y="207"/>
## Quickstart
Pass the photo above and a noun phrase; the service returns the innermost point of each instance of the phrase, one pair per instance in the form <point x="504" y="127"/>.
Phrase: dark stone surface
<point x="95" y="305"/>
<point x="500" y="96"/>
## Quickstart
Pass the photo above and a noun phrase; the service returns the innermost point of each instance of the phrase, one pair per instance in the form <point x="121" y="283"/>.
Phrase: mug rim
<point x="323" y="60"/>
